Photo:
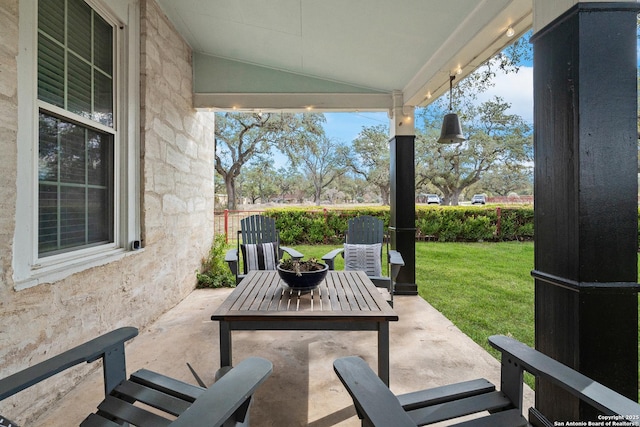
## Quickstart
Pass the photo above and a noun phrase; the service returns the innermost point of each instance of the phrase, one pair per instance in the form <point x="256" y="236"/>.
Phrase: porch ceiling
<point x="337" y="54"/>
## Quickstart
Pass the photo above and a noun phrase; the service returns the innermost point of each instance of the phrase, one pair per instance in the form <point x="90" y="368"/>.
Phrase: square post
<point x="402" y="223"/>
<point x="586" y="208"/>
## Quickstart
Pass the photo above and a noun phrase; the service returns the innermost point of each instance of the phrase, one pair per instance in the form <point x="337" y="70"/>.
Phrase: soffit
<point x="370" y="46"/>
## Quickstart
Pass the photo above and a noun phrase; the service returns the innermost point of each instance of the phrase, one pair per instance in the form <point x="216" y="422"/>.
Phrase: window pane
<point x="103" y="41"/>
<point x="99" y="168"/>
<point x="50" y="71"/>
<point x="79" y="86"/>
<point x="103" y="71"/>
<point x="79" y="28"/>
<point x="51" y="18"/>
<point x="72" y="156"/>
<point x="48" y="158"/>
<point x="103" y="99"/>
<point x="47" y="218"/>
<point x="72" y="216"/>
<point x="75" y="204"/>
<point x="99" y="216"/>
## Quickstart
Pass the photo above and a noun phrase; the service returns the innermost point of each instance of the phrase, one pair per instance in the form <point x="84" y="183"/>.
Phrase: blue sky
<point x="345" y="127"/>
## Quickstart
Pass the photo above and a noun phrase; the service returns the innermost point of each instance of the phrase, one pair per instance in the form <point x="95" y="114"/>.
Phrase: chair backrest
<point x="258" y="229"/>
<point x="365" y="230"/>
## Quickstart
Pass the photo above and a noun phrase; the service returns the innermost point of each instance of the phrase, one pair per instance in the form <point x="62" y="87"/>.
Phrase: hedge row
<point x="444" y="224"/>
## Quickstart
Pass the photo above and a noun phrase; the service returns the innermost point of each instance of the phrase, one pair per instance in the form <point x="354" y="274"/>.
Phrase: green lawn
<point x="483" y="288"/>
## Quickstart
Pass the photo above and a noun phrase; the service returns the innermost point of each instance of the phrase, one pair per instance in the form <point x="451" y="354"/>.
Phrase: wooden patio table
<point x="344" y="301"/>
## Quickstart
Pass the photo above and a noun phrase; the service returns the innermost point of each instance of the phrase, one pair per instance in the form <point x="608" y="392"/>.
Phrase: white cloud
<point x="516" y="89"/>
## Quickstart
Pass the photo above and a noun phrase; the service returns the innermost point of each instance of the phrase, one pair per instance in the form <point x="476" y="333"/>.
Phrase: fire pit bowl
<point x="303" y="280"/>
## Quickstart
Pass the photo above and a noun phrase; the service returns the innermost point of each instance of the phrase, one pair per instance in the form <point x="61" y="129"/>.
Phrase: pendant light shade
<point x="451" y="132"/>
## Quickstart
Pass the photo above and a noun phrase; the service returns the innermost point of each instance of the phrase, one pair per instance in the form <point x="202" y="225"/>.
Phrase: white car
<point x="478" y="199"/>
<point x="433" y="199"/>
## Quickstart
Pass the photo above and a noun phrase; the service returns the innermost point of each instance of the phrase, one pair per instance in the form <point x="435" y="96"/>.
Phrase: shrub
<point x="468" y="224"/>
<point x="214" y="273"/>
<point x="318" y="226"/>
<point x="445" y="224"/>
<point x="516" y="224"/>
<point x="478" y="228"/>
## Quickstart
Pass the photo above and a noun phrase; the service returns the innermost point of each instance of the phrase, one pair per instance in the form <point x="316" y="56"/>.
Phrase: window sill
<point x="59" y="271"/>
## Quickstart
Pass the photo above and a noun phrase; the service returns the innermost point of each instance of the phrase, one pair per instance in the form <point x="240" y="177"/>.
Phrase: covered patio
<point x="396" y="56"/>
<point x="169" y="63"/>
<point x="426" y="350"/>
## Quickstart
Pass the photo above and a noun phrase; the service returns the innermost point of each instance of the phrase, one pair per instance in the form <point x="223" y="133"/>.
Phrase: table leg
<point x="225" y="344"/>
<point x="383" y="351"/>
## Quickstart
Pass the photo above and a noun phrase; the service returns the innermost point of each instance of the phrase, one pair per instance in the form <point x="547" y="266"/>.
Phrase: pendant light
<point x="451" y="132"/>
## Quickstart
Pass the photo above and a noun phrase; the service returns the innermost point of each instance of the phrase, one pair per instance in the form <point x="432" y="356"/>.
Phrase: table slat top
<point x="343" y="294"/>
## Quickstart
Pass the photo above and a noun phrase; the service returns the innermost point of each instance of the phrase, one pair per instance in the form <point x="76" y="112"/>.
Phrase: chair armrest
<point x="292" y="252"/>
<point x="541" y="365"/>
<point x="329" y="258"/>
<point x="231" y="255"/>
<point x="374" y="402"/>
<point x="104" y="346"/>
<point x="395" y="258"/>
<point x="231" y="258"/>
<point x="396" y="262"/>
<point x="228" y="397"/>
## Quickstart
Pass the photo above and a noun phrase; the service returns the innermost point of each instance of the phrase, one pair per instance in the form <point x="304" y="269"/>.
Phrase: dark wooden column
<point x="586" y="204"/>
<point x="403" y="210"/>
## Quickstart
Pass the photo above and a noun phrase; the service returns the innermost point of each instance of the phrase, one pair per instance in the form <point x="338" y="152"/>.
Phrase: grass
<point x="483" y="288"/>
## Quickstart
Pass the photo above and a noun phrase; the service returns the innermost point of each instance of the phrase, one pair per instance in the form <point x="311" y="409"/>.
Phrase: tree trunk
<point x="229" y="182"/>
<point x="317" y="194"/>
<point x="384" y="194"/>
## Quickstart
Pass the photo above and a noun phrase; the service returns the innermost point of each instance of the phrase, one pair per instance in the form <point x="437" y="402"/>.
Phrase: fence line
<point x="229" y="222"/>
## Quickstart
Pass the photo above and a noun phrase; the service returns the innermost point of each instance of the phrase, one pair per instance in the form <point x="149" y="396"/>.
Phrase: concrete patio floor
<point x="426" y="350"/>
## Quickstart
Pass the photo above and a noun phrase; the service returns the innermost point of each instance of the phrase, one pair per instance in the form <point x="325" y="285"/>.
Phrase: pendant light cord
<point x="451" y="78"/>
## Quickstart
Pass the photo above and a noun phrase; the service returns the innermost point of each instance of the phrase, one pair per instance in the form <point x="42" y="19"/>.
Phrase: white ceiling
<point x="326" y="47"/>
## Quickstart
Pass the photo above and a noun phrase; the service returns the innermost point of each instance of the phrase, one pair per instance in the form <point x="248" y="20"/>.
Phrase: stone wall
<point x="8" y="133"/>
<point x="177" y="155"/>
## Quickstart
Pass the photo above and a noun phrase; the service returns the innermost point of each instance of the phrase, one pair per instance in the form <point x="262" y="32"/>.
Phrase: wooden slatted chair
<point x="377" y="406"/>
<point x="363" y="251"/>
<point x="225" y="403"/>
<point x="259" y="243"/>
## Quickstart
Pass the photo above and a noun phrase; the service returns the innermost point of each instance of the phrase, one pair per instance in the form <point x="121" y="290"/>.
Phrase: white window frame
<point x="28" y="268"/>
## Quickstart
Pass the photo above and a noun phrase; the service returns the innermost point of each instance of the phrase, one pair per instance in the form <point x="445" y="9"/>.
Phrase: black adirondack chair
<point x="363" y="251"/>
<point x="377" y="406"/>
<point x="225" y="403"/>
<point x="259" y="243"/>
